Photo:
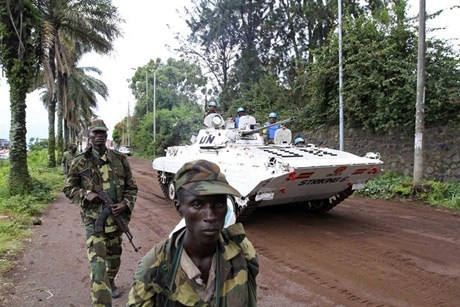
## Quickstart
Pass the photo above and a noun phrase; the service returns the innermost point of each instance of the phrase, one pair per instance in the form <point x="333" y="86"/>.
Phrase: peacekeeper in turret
<point x="212" y="108"/>
<point x="299" y="142"/>
<point x="269" y="133"/>
<point x="239" y="112"/>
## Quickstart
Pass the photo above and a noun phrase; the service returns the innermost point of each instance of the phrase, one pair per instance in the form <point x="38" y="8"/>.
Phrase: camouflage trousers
<point x="104" y="253"/>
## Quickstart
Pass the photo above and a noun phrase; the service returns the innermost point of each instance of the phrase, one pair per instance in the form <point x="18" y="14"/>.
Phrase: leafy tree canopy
<point x="178" y="88"/>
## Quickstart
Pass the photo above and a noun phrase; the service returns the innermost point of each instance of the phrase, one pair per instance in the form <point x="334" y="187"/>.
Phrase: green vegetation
<point x="177" y="112"/>
<point x="263" y="56"/>
<point x="41" y="44"/>
<point x="283" y="57"/>
<point x="394" y="186"/>
<point x="18" y="212"/>
<point x="38" y="144"/>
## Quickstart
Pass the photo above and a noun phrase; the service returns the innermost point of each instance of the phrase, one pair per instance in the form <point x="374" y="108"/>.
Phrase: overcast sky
<point x="146" y="35"/>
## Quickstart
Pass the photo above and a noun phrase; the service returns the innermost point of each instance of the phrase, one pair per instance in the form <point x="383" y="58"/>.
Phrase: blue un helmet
<point x="212" y="104"/>
<point x="240" y="109"/>
<point x="298" y="140"/>
<point x="273" y="114"/>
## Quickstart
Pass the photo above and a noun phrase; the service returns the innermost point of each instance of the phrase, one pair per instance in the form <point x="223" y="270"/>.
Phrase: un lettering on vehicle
<point x="323" y="181"/>
<point x="208" y="139"/>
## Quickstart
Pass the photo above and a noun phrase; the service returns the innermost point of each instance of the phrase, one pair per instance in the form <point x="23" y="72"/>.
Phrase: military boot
<point x="115" y="291"/>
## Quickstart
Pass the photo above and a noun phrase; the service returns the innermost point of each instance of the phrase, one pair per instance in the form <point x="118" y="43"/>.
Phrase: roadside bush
<point x="23" y="204"/>
<point x="4" y="171"/>
<point x="394" y="186"/>
<point x="444" y="194"/>
<point x="386" y="186"/>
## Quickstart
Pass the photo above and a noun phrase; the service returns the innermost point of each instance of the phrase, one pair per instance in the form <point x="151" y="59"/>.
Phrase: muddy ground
<point x="362" y="253"/>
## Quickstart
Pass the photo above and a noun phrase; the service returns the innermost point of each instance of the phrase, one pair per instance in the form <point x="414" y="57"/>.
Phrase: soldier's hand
<point x="119" y="208"/>
<point x="93" y="198"/>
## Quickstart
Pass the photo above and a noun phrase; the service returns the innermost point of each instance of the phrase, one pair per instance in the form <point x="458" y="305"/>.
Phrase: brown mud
<point x="362" y="253"/>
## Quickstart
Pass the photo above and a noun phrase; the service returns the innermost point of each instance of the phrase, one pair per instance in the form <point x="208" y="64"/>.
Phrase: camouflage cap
<point x="202" y="177"/>
<point x="97" y="124"/>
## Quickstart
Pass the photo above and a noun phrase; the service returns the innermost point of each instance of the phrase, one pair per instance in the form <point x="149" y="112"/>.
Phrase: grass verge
<point x="444" y="195"/>
<point x="17" y="213"/>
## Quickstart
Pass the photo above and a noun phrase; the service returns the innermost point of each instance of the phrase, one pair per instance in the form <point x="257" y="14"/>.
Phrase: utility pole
<point x="146" y="92"/>
<point x="420" y="103"/>
<point x="122" y="136"/>
<point x="340" y="78"/>
<point x="154" y="106"/>
<point x="127" y="126"/>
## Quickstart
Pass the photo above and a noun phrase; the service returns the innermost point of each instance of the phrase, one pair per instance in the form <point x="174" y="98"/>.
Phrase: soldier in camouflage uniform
<point x="203" y="264"/>
<point x="68" y="157"/>
<point x="101" y="168"/>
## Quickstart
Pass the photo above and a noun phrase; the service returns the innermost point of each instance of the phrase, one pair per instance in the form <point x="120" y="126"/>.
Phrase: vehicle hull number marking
<point x="323" y="181"/>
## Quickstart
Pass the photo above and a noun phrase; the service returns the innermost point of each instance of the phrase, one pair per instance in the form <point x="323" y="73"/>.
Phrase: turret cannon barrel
<point x="250" y="132"/>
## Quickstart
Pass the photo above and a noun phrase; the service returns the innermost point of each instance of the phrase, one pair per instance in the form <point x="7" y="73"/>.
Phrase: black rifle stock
<point x="119" y="220"/>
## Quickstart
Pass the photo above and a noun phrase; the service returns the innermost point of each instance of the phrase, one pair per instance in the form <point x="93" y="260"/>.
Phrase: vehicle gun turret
<point x="258" y="129"/>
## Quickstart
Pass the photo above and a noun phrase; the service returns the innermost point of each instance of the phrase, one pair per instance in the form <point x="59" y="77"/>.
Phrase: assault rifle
<point x="119" y="220"/>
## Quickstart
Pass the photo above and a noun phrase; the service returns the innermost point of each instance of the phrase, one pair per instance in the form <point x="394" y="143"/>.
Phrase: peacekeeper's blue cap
<point x="298" y="140"/>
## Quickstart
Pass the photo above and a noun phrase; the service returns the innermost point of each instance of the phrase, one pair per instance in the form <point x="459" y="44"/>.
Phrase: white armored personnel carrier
<point x="267" y="175"/>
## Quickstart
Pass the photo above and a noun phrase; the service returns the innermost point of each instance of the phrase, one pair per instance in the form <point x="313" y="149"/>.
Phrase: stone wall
<point x="441" y="158"/>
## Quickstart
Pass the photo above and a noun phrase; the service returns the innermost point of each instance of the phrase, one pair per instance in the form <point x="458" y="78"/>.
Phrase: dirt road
<point x="364" y="252"/>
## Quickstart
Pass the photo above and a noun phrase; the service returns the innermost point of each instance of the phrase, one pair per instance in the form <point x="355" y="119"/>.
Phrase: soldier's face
<point x="98" y="137"/>
<point x="212" y="108"/>
<point x="204" y="217"/>
<point x="272" y="120"/>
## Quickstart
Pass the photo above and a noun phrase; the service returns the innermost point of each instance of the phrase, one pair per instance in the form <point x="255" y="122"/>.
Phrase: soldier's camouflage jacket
<point x="84" y="175"/>
<point x="66" y="161"/>
<point x="159" y="280"/>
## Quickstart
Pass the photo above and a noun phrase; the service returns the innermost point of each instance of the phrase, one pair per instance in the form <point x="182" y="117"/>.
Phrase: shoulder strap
<point x="175" y="265"/>
<point x="218" y="276"/>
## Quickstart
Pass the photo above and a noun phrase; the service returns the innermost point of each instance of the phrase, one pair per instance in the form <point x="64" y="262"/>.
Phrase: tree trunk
<point x="69" y="138"/>
<point x="19" y="178"/>
<point x="60" y="139"/>
<point x="51" y="134"/>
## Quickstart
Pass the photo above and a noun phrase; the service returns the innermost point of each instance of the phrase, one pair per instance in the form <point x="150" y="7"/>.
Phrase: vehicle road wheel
<point x="320" y="206"/>
<point x="165" y="179"/>
<point x="171" y="191"/>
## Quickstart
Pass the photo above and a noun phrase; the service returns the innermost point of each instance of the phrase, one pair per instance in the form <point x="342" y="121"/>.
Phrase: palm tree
<point x="19" y="58"/>
<point x="81" y="91"/>
<point x="57" y="32"/>
<point x="69" y="29"/>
